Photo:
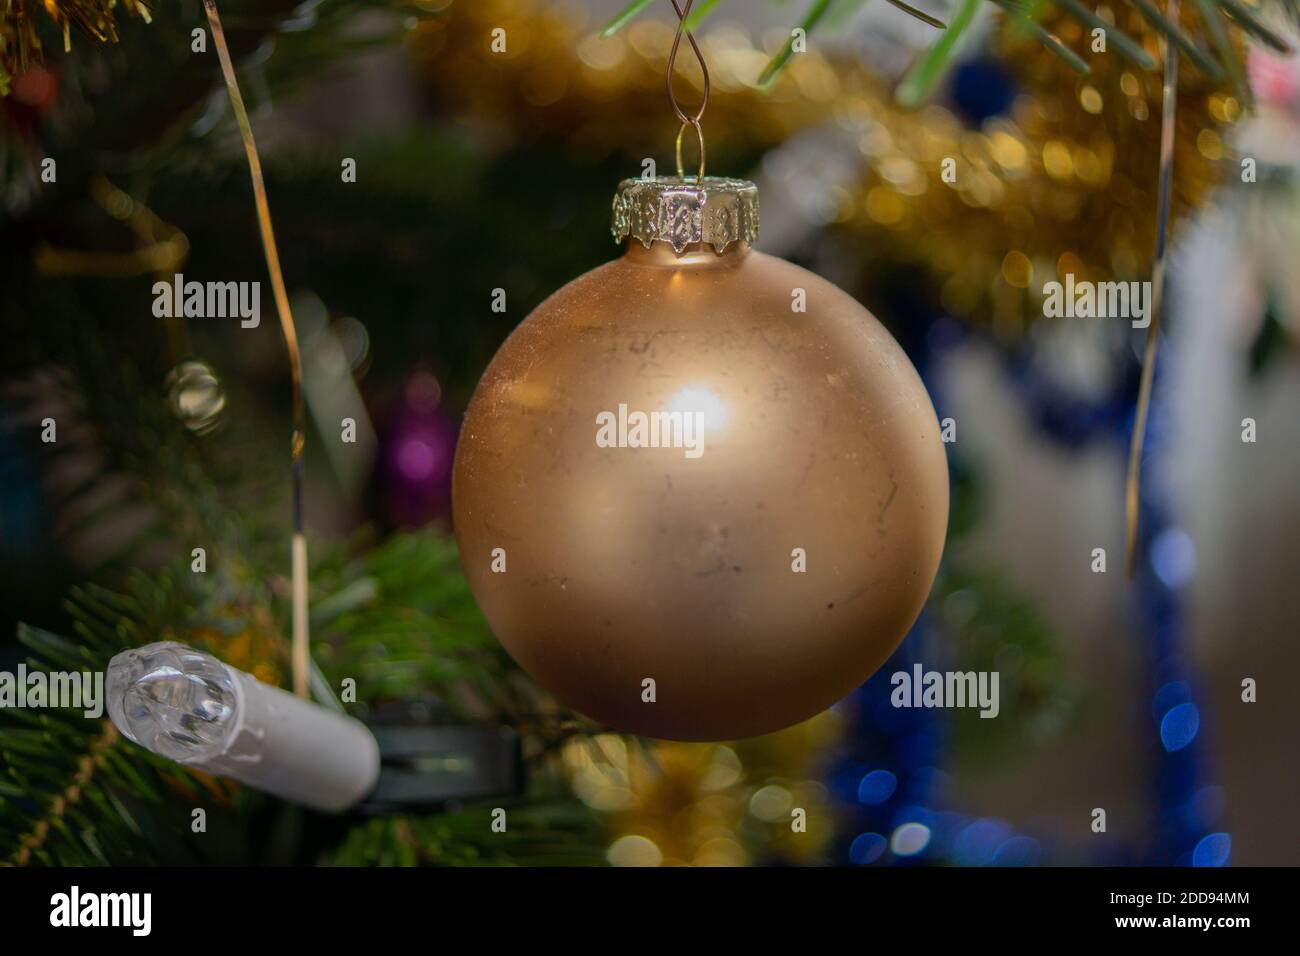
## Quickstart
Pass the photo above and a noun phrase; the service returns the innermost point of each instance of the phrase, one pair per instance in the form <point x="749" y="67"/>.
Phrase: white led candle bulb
<point x="185" y="704"/>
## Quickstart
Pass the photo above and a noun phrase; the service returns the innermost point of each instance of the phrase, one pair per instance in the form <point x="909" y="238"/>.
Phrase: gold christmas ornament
<point x="700" y="492"/>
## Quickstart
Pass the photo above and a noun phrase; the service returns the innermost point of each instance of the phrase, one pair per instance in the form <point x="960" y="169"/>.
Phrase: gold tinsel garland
<point x="20" y="42"/>
<point x="558" y="78"/>
<point x="1066" y="182"/>
<point x="684" y="804"/>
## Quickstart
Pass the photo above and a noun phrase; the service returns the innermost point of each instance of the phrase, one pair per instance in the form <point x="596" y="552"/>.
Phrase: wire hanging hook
<point x="687" y="120"/>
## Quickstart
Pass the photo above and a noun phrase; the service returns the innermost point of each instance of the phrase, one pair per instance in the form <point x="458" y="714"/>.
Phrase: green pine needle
<point x="1128" y="48"/>
<point x="624" y="17"/>
<point x="778" y="62"/>
<point x="1216" y="26"/>
<point x="1199" y="58"/>
<point x="926" y="73"/>
<point x="1027" y="21"/>
<point x="1252" y="25"/>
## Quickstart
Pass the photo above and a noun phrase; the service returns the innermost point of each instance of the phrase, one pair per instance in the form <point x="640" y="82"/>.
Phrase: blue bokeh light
<point x="1019" y="851"/>
<point x="867" y="848"/>
<point x="877" y="787"/>
<point x="1179" y="726"/>
<point x="1173" y="556"/>
<point x="1212" y="850"/>
<point x="979" y="842"/>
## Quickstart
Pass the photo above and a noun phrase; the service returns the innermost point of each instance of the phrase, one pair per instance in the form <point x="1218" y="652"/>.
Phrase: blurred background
<point x="478" y="170"/>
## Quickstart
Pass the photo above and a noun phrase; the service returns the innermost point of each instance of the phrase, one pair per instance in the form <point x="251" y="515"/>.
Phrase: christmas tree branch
<point x="94" y="758"/>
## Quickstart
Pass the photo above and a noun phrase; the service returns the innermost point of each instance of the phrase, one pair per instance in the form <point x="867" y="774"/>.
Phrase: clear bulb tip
<point x="173" y="700"/>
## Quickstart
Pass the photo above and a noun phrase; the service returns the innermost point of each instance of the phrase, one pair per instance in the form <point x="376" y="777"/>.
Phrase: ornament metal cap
<point x="685" y="211"/>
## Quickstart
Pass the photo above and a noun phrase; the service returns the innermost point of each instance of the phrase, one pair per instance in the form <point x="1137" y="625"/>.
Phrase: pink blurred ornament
<point x="417" y="447"/>
<point x="1275" y="80"/>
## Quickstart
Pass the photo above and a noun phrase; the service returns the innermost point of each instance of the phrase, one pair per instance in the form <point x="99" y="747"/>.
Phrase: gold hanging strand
<point x="1168" y="118"/>
<point x="301" y="635"/>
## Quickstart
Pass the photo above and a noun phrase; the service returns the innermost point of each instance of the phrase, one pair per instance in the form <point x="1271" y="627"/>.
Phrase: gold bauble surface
<point x="622" y="565"/>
